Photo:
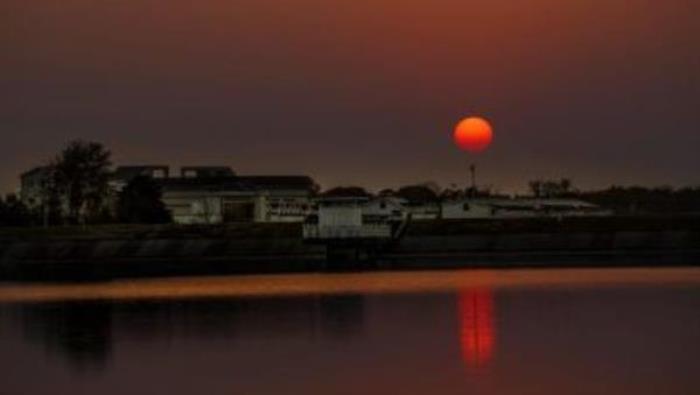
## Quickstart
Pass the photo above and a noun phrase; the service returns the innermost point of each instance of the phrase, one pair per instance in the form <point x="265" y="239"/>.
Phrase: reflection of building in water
<point x="477" y="333"/>
<point x="86" y="333"/>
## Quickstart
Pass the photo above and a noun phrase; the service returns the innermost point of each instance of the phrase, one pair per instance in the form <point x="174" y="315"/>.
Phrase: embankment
<point x="102" y="253"/>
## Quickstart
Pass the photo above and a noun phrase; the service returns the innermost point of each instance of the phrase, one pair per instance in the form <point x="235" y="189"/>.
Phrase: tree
<point x="3" y="212"/>
<point x="452" y="194"/>
<point x="565" y="185"/>
<point x="81" y="174"/>
<point x="140" y="202"/>
<point x="13" y="212"/>
<point x="433" y="186"/>
<point x="418" y="194"/>
<point x="535" y="188"/>
<point x="551" y="188"/>
<point x="346" y="192"/>
<point x="387" y="192"/>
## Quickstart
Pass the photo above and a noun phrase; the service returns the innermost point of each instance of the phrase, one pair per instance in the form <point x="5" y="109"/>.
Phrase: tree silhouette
<point x="418" y="194"/>
<point x="140" y="202"/>
<point x="81" y="175"/>
<point x="351" y="191"/>
<point x="13" y="212"/>
<point x="551" y="188"/>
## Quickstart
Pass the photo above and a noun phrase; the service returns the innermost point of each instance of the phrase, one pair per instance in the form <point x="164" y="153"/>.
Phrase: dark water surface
<point x="621" y="338"/>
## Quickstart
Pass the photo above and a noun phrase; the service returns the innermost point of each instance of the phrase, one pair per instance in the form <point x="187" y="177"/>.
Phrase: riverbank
<point x="111" y="252"/>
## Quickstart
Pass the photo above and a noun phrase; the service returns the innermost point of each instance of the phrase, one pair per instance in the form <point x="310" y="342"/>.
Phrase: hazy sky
<point x="359" y="92"/>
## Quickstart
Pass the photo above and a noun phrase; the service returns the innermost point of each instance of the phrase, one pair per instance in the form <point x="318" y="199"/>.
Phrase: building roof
<point x="526" y="202"/>
<point x="207" y="171"/>
<point x="128" y="173"/>
<point x="236" y="183"/>
<point x="279" y="182"/>
<point x="342" y="200"/>
<point x="204" y="184"/>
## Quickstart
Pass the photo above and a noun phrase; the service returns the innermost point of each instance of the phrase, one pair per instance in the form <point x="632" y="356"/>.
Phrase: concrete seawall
<point x="620" y="240"/>
<point x="105" y="259"/>
<point x="56" y="259"/>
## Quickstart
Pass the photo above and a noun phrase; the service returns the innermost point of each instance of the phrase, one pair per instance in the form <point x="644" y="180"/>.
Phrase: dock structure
<point x="351" y="230"/>
<point x="342" y="218"/>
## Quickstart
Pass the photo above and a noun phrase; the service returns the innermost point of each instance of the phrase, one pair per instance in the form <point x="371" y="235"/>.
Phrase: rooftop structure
<point x="206" y="172"/>
<point x="123" y="175"/>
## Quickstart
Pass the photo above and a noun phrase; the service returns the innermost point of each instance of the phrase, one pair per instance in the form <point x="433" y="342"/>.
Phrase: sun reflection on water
<point x="477" y="332"/>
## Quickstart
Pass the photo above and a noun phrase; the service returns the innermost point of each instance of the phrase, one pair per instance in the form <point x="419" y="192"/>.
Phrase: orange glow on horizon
<point x="477" y="334"/>
<point x="473" y="134"/>
<point x="334" y="284"/>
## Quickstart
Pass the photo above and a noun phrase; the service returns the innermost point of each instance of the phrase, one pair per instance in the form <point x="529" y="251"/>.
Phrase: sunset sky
<point x="359" y="92"/>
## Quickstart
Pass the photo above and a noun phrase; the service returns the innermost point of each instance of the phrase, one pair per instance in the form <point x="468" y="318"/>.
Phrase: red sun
<point x="473" y="134"/>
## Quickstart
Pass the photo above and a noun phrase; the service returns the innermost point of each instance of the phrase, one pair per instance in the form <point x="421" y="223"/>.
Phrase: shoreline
<point x="117" y="252"/>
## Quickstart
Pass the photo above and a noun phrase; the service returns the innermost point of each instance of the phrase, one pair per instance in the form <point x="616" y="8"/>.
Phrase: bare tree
<point x="551" y="188"/>
<point x="535" y="188"/>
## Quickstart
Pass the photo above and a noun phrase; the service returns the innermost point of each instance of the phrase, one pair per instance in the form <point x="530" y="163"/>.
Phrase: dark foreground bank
<point x="104" y="253"/>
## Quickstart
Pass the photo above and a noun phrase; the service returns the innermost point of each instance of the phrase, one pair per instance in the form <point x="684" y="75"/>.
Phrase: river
<point x="547" y="331"/>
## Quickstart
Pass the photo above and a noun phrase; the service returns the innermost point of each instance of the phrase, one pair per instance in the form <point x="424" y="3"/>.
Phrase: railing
<point x="367" y="231"/>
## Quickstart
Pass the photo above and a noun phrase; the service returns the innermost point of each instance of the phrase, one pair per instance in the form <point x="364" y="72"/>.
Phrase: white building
<point x="33" y="184"/>
<point x="383" y="209"/>
<point x="483" y="208"/>
<point x="423" y="211"/>
<point x="224" y="199"/>
<point x="354" y="218"/>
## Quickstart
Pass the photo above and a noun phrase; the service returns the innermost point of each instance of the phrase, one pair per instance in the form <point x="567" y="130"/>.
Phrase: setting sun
<point x="473" y="134"/>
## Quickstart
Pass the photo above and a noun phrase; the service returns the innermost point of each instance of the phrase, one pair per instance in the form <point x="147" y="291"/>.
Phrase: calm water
<point x="611" y="334"/>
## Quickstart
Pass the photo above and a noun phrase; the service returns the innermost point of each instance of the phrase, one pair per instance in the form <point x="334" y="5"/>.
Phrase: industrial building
<point x="216" y="194"/>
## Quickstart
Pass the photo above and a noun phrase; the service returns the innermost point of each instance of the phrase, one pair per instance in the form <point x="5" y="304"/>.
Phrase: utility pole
<point x="472" y="170"/>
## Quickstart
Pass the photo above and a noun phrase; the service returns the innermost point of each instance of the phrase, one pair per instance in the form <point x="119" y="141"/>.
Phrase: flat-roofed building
<point x="342" y="218"/>
<point x="355" y="217"/>
<point x="287" y="198"/>
<point x="480" y="208"/>
<point x="206" y="171"/>
<point x="224" y="199"/>
<point x="32" y="186"/>
<point x="122" y="175"/>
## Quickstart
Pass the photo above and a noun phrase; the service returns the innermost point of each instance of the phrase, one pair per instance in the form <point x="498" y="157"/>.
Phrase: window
<point x="465" y="207"/>
<point x="189" y="173"/>
<point x="159" y="173"/>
